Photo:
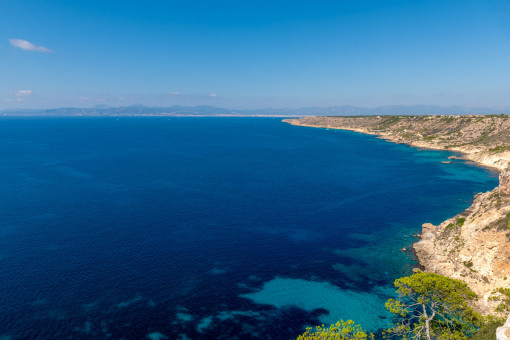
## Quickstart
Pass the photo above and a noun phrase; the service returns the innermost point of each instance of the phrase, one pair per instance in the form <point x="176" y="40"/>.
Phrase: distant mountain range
<point x="141" y="110"/>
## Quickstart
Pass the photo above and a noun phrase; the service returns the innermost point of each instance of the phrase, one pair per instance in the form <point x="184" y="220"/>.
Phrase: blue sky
<point x="254" y="54"/>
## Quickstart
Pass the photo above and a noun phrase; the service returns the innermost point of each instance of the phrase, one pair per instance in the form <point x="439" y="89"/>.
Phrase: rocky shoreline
<point x="474" y="245"/>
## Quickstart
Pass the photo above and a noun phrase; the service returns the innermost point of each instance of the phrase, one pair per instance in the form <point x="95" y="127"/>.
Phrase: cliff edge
<point x="503" y="332"/>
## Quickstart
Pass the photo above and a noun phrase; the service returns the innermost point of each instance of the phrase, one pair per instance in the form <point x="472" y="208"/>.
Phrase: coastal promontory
<point x="474" y="245"/>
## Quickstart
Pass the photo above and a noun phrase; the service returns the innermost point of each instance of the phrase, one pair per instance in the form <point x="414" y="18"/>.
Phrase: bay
<point x="203" y="228"/>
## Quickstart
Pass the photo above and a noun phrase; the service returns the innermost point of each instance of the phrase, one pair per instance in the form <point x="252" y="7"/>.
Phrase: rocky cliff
<point x="475" y="245"/>
<point x="503" y="332"/>
<point x="504" y="182"/>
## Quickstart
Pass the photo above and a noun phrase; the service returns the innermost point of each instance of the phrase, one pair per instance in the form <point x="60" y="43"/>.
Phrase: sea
<point x="209" y="228"/>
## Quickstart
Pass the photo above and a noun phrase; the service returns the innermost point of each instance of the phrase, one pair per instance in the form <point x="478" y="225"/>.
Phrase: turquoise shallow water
<point x="206" y="228"/>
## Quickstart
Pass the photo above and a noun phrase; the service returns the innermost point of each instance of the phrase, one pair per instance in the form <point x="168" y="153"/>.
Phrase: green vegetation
<point x="503" y="295"/>
<point x="429" y="137"/>
<point x="487" y="332"/>
<point x="501" y="115"/>
<point x="339" y="331"/>
<point x="501" y="224"/>
<point x="450" y="226"/>
<point x="429" y="306"/>
<point x="447" y="119"/>
<point x="458" y="223"/>
<point x="457" y="131"/>
<point x="482" y="137"/>
<point x="499" y="149"/>
<point x="432" y="306"/>
<point x="388" y="121"/>
<point x="468" y="264"/>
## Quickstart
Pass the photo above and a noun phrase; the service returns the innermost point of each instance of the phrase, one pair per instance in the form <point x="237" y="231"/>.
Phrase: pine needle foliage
<point x="342" y="330"/>
<point x="432" y="307"/>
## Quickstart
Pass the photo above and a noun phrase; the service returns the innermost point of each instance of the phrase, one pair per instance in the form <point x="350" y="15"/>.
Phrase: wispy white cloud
<point x="23" y="93"/>
<point x="174" y="93"/>
<point x="28" y="46"/>
<point x="213" y="95"/>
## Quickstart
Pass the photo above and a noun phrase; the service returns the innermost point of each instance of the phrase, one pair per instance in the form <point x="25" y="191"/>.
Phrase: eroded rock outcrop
<point x="504" y="182"/>
<point x="503" y="332"/>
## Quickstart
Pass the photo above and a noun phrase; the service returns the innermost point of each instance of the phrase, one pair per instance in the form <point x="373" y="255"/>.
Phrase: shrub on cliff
<point x="502" y="295"/>
<point x="342" y="330"/>
<point x="488" y="331"/>
<point x="432" y="306"/>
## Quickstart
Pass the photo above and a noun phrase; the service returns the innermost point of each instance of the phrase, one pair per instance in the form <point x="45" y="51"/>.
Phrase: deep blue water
<point x="203" y="228"/>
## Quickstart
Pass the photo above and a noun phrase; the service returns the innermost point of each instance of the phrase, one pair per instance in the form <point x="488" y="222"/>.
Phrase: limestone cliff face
<point x="503" y="332"/>
<point x="475" y="245"/>
<point x="504" y="182"/>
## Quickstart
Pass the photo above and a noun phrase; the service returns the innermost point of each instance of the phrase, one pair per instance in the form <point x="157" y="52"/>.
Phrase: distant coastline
<point x="207" y="110"/>
<point x="473" y="245"/>
<point x="156" y="115"/>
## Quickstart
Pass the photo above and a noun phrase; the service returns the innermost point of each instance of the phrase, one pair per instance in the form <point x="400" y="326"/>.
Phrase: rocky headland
<point x="475" y="244"/>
